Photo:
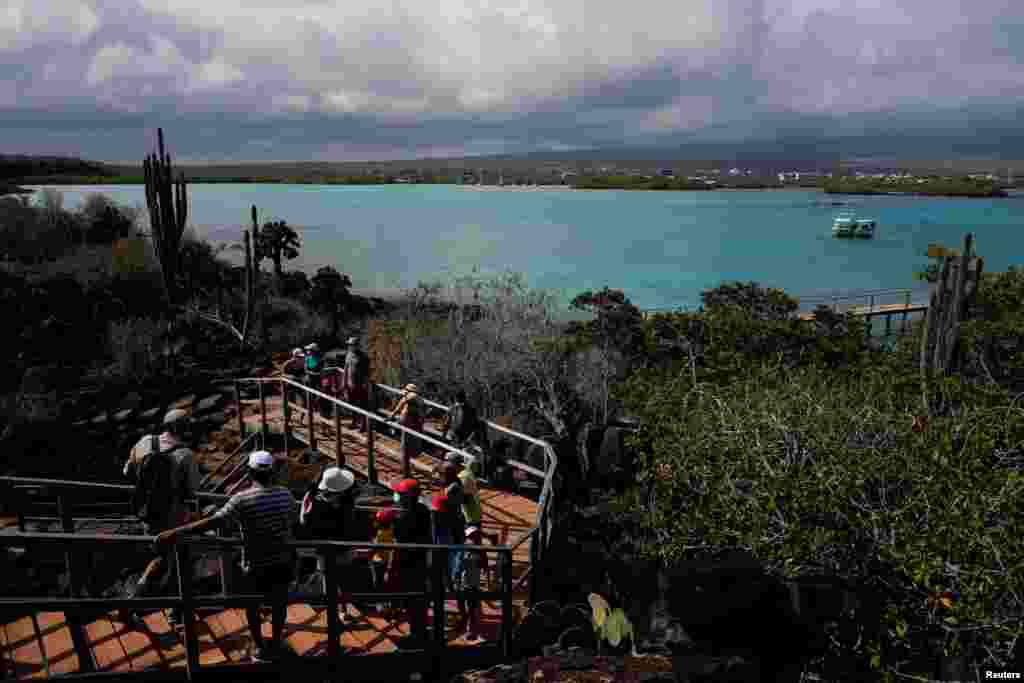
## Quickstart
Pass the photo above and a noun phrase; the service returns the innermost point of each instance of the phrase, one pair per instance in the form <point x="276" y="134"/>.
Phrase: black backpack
<point x="154" y="486"/>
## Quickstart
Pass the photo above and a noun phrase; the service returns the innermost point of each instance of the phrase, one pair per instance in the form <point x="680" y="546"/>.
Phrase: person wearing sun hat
<point x="265" y="514"/>
<point x="328" y="513"/>
<point x="410" y="415"/>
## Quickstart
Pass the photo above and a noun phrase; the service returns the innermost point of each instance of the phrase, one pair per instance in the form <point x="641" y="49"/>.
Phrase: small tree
<point x="330" y="295"/>
<point x="277" y="241"/>
<point x="616" y="328"/>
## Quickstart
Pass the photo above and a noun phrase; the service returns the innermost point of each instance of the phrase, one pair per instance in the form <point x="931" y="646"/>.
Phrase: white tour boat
<point x="848" y="225"/>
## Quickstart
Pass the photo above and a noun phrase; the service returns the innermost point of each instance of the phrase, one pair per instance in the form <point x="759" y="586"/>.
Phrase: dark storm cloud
<point x="233" y="80"/>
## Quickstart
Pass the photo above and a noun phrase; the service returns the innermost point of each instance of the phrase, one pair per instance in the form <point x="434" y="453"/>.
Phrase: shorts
<point x="268" y="580"/>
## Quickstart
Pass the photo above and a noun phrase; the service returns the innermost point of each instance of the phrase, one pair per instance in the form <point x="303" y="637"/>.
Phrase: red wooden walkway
<point x="39" y="644"/>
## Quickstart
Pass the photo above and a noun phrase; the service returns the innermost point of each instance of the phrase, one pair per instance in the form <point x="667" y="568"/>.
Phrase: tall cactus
<point x="167" y="201"/>
<point x="251" y="249"/>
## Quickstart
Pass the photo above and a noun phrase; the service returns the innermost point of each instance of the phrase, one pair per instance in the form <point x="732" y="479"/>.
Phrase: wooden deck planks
<point x="57" y="644"/>
<point x="106" y="648"/>
<point x="231" y="632"/>
<point x="23" y="648"/>
<point x="165" y="639"/>
<point x="301" y="632"/>
<point x="139" y="648"/>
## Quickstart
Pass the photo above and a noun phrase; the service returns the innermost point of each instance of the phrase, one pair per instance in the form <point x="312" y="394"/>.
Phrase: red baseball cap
<point x="409" y="487"/>
<point x="439" y="503"/>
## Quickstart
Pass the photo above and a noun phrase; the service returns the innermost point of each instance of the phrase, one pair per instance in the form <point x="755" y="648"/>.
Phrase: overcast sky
<point x="257" y="80"/>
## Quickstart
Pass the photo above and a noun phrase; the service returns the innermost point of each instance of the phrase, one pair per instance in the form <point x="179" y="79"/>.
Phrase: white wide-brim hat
<point x="336" y="480"/>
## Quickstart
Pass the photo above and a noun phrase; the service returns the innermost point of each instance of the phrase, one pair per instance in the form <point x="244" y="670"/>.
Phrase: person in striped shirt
<point x="266" y="515"/>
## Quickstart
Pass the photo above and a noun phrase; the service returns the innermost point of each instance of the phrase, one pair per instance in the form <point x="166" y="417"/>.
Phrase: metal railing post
<point x="331" y="574"/>
<point x="506" y="603"/>
<point x="67" y="523"/>
<point x="339" y="459"/>
<point x="263" y="413"/>
<point x="309" y="419"/>
<point x="184" y="559"/>
<point x="287" y="410"/>
<point x="440" y="618"/>
<point x="371" y="468"/>
<point x="406" y="465"/>
<point x="238" y="407"/>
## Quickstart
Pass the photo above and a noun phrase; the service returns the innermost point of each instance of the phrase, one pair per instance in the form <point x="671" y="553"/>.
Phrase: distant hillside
<point x="25" y="169"/>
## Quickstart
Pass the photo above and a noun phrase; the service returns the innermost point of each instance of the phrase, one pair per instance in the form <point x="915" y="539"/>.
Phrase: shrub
<point x="136" y="347"/>
<point x="815" y="469"/>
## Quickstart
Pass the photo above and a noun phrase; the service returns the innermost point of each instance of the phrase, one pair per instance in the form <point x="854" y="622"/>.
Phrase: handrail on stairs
<point x="544" y="521"/>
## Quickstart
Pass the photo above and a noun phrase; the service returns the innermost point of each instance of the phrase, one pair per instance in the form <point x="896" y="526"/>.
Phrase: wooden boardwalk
<point x="37" y="644"/>
<point x="878" y="310"/>
<point x="506" y="517"/>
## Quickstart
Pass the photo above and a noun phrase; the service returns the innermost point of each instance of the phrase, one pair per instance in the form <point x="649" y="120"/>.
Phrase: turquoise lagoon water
<point x="661" y="248"/>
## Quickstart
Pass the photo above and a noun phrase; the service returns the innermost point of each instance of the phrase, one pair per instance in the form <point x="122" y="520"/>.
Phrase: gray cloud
<point x="235" y="80"/>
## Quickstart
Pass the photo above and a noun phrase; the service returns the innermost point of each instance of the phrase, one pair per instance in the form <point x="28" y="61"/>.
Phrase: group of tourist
<point x="166" y="476"/>
<point x="349" y="382"/>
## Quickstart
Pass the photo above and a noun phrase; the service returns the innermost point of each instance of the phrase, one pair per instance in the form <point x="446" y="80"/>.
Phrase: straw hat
<point x="410" y="388"/>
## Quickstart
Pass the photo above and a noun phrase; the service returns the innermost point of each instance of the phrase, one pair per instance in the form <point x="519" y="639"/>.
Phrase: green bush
<point x="795" y="442"/>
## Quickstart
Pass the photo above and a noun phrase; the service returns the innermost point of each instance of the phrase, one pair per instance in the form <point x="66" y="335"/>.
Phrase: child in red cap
<point x="380" y="559"/>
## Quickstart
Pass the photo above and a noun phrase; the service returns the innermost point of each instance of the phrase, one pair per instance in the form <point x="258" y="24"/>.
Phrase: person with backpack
<point x="462" y="422"/>
<point x="357" y="381"/>
<point x="328" y="513"/>
<point x="166" y="477"/>
<point x="266" y="515"/>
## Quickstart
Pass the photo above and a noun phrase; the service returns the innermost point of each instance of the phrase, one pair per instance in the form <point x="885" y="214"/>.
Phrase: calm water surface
<point x="662" y="248"/>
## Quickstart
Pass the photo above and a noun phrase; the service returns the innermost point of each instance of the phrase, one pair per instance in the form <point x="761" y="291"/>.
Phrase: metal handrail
<point x="228" y="459"/>
<point x="348" y="406"/>
<point x="188" y="602"/>
<point x="545" y="502"/>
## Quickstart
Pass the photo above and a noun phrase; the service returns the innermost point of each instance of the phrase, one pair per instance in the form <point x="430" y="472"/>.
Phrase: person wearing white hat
<point x="328" y="513"/>
<point x="265" y="514"/>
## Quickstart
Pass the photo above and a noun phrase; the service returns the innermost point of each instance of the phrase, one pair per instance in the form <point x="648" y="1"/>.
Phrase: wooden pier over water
<point x="871" y="309"/>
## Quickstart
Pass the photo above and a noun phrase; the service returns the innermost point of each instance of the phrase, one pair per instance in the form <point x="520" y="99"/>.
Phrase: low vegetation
<point x="928" y="186"/>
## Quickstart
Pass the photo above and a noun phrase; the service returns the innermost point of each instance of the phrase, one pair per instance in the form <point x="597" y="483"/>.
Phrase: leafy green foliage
<point x="792" y="440"/>
<point x="933" y="186"/>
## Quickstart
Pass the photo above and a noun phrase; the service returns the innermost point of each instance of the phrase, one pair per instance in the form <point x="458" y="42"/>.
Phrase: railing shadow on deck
<point x="432" y="657"/>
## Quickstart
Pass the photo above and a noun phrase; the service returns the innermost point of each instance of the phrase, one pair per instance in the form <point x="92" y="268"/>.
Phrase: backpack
<point x="314" y="363"/>
<point x="154" y="486"/>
